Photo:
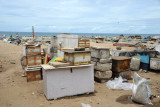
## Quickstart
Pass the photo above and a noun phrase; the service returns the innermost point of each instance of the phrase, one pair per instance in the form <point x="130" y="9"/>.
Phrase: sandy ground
<point x="15" y="91"/>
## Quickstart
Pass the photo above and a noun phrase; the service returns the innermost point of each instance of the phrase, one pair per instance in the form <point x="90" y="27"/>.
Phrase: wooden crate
<point x="33" y="73"/>
<point x="77" y="58"/>
<point x="33" y="50"/>
<point x="32" y="60"/>
<point x="84" y="43"/>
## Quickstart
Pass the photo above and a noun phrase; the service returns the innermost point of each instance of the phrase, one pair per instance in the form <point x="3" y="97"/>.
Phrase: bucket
<point x="144" y="66"/>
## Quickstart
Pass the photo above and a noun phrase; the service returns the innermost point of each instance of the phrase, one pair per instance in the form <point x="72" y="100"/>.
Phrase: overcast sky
<point x="81" y="16"/>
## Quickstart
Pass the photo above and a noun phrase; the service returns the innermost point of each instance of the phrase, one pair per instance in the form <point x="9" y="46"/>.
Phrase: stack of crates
<point x="32" y="60"/>
<point x="83" y="43"/>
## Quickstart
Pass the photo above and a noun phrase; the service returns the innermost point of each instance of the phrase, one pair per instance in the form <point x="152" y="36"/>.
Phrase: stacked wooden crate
<point x="33" y="73"/>
<point x="32" y="58"/>
<point x="84" y="43"/>
<point x="32" y="55"/>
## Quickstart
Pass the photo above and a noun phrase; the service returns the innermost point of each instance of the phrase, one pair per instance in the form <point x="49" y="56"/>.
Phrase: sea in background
<point x="49" y="34"/>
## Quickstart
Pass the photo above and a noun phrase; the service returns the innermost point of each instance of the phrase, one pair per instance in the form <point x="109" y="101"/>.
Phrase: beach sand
<point x="15" y="91"/>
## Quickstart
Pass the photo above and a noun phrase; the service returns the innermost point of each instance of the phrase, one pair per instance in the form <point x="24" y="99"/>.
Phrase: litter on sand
<point x="118" y="84"/>
<point x="85" y="105"/>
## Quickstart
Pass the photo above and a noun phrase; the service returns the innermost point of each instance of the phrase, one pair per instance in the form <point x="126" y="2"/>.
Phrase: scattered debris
<point x="32" y="93"/>
<point x="85" y="105"/>
<point x="118" y="83"/>
<point x="12" y="62"/>
<point x="40" y="91"/>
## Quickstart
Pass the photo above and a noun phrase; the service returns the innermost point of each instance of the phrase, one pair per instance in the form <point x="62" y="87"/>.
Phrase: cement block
<point x="103" y="61"/>
<point x="94" y="63"/>
<point x="103" y="67"/>
<point x="95" y="53"/>
<point x="94" y="59"/>
<point x="100" y="48"/>
<point x="104" y="54"/>
<point x="103" y="75"/>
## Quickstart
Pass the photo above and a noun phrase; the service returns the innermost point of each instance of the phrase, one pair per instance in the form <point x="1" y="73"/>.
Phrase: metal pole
<point x="33" y="31"/>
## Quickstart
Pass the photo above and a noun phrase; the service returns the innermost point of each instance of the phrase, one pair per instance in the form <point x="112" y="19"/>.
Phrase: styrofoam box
<point x="68" y="81"/>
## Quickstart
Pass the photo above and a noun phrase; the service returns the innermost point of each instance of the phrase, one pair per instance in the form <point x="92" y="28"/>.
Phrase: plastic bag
<point x="117" y="83"/>
<point x="141" y="91"/>
<point x="85" y="105"/>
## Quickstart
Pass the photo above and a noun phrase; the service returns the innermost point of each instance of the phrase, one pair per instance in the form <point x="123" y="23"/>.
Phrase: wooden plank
<point x="32" y="68"/>
<point x="49" y="67"/>
<point x="58" y="64"/>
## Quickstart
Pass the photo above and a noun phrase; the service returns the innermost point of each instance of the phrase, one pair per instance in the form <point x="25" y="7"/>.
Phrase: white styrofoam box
<point x="157" y="48"/>
<point x="155" y="63"/>
<point x="68" y="81"/>
<point x="67" y="41"/>
<point x="24" y="50"/>
<point x="116" y="52"/>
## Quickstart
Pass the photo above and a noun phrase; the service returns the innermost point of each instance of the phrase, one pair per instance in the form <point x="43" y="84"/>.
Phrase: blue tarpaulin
<point x="145" y="39"/>
<point x="144" y="58"/>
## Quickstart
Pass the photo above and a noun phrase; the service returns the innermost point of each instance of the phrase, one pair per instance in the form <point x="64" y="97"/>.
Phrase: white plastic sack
<point x="141" y="91"/>
<point x="117" y="83"/>
<point x="85" y="105"/>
